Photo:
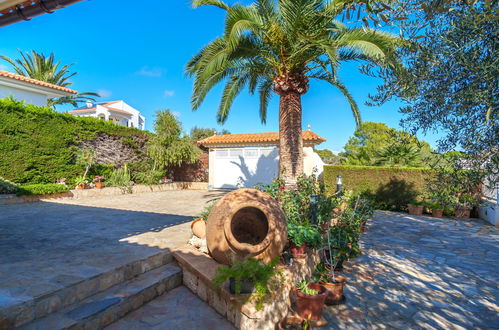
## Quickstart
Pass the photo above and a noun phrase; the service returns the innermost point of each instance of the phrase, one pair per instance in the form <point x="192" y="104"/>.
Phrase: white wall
<point x="34" y="98"/>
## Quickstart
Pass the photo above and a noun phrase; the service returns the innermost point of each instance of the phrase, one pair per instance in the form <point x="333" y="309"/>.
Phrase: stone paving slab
<point x="178" y="309"/>
<point x="47" y="246"/>
<point x="422" y="272"/>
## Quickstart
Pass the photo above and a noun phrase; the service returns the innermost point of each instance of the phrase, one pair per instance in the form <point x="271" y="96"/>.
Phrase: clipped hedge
<point x="390" y="187"/>
<point x="37" y="144"/>
<point x="42" y="189"/>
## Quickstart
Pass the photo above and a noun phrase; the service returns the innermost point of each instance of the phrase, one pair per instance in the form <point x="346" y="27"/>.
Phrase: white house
<point x="243" y="160"/>
<point x="30" y="90"/>
<point x="116" y="111"/>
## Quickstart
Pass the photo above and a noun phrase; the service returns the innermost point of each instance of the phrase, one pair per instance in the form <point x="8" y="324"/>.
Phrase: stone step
<point x="24" y="310"/>
<point x="106" y="307"/>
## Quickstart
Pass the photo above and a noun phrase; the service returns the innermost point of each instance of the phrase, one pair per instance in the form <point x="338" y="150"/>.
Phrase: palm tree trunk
<point x="290" y="138"/>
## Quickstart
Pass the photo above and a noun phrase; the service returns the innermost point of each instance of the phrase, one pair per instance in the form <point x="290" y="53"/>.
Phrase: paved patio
<point x="47" y="246"/>
<point x="422" y="272"/>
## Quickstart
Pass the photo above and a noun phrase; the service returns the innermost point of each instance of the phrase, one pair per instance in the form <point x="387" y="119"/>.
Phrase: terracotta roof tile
<point x="35" y="82"/>
<point x="267" y="138"/>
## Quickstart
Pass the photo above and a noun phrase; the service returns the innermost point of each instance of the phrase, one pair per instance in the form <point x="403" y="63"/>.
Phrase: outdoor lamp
<point x="339" y="184"/>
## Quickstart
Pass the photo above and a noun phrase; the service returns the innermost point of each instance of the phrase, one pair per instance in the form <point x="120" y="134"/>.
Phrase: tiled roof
<point x="35" y="82"/>
<point x="267" y="138"/>
<point x="103" y="104"/>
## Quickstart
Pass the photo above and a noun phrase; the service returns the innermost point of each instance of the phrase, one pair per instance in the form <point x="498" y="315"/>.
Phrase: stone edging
<point x="110" y="191"/>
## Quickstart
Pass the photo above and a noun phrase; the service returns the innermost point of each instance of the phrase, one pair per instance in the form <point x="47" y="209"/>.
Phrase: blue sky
<point x="138" y="53"/>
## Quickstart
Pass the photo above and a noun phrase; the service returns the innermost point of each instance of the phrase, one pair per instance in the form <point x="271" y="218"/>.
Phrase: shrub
<point x="7" y="187"/>
<point x="255" y="271"/>
<point x="38" y="145"/>
<point x="304" y="234"/>
<point x="389" y="187"/>
<point x="42" y="189"/>
<point x="121" y="178"/>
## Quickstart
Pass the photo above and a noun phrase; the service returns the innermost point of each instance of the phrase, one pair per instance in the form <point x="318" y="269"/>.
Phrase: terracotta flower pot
<point x="462" y="213"/>
<point x="415" y="209"/>
<point x="297" y="251"/>
<point x="81" y="186"/>
<point x="198" y="228"/>
<point x="437" y="213"/>
<point x="98" y="185"/>
<point x="311" y="305"/>
<point x="335" y="289"/>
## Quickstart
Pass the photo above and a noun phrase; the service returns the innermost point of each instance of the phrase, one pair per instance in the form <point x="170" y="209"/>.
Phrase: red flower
<point x="282" y="188"/>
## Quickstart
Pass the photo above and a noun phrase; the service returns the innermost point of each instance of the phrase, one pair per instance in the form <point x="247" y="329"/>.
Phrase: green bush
<point x="42" y="189"/>
<point x="7" y="187"/>
<point x="390" y="188"/>
<point x="121" y="178"/>
<point x="38" y="145"/>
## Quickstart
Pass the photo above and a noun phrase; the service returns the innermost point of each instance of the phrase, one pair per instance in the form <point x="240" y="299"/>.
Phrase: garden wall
<point x="37" y="145"/>
<point x="391" y="187"/>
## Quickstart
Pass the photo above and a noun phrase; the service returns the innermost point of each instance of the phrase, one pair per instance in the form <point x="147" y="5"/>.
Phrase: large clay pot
<point x="246" y="222"/>
<point x="198" y="227"/>
<point x="98" y="185"/>
<point x="311" y="305"/>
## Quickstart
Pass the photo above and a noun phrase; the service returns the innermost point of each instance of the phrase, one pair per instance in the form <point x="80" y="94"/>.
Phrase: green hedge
<point x="42" y="189"/>
<point x="37" y="144"/>
<point x="391" y="187"/>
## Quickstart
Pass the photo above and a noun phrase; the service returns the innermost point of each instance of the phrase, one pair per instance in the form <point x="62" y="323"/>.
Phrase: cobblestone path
<point x="422" y="272"/>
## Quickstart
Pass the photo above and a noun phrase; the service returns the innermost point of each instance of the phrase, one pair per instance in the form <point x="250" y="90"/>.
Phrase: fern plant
<point x="254" y="270"/>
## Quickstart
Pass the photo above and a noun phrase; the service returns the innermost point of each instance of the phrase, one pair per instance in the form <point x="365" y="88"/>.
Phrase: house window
<point x="236" y="152"/>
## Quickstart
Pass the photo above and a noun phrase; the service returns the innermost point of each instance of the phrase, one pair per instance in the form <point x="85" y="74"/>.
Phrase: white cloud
<point x="176" y="114"/>
<point x="104" y="92"/>
<point x="169" y="93"/>
<point x="150" y="72"/>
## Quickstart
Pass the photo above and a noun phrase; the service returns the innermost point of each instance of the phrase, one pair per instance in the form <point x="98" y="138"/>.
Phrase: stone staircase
<point x="98" y="301"/>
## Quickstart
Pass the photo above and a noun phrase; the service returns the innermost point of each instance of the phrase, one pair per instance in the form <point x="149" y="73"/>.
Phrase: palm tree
<point x="400" y="155"/>
<point x="277" y="47"/>
<point x="44" y="68"/>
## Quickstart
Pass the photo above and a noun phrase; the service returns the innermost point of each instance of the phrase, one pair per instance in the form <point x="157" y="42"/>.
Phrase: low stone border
<point x="199" y="269"/>
<point x="109" y="191"/>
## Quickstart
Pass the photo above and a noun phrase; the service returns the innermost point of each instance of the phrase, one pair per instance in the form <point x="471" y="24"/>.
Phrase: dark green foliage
<point x="42" y="189"/>
<point x="7" y="187"/>
<point x="253" y="270"/>
<point x="328" y="156"/>
<point x="38" y="145"/>
<point x="199" y="133"/>
<point x="297" y="204"/>
<point x="390" y="187"/>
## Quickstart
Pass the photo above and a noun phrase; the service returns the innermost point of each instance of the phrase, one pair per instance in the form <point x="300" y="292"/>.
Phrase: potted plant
<point x="98" y="180"/>
<point x="437" y="210"/>
<point x="80" y="182"/>
<point x="334" y="283"/>
<point x="248" y="277"/>
<point x="310" y="299"/>
<point x="302" y="235"/>
<point x="415" y="208"/>
<point x="464" y="204"/>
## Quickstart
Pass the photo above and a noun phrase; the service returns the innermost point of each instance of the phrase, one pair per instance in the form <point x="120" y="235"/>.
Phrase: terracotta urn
<point x="311" y="306"/>
<point x="246" y="222"/>
<point x="198" y="227"/>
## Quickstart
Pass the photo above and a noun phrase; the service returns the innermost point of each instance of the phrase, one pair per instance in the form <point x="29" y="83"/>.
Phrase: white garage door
<point x="245" y="167"/>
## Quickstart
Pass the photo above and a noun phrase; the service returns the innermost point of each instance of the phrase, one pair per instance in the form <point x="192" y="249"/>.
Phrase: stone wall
<point x="117" y="150"/>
